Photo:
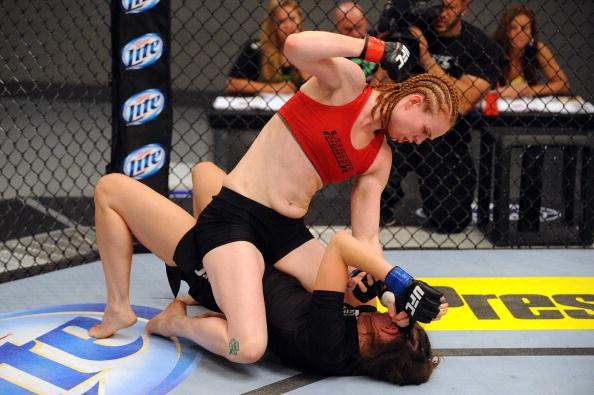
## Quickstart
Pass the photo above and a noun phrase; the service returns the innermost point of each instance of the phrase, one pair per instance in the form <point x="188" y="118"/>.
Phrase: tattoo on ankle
<point x="233" y="347"/>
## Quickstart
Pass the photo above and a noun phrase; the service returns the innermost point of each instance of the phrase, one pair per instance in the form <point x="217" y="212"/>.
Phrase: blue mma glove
<point x="417" y="298"/>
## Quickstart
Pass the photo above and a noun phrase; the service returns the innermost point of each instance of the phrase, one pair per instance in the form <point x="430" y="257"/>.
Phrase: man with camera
<point x="447" y="46"/>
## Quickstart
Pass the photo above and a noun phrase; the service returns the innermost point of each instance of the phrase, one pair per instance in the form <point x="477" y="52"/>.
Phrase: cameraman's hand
<point x="425" y="58"/>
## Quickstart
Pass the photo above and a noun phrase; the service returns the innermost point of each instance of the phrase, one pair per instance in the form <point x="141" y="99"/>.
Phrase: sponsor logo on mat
<point x="49" y="351"/>
<point x="515" y="303"/>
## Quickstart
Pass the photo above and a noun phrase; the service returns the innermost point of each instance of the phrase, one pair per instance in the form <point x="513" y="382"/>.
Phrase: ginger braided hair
<point x="440" y="95"/>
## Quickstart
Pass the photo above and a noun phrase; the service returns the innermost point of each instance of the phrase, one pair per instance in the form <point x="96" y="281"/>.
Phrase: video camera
<point x="397" y="18"/>
<point x="399" y="15"/>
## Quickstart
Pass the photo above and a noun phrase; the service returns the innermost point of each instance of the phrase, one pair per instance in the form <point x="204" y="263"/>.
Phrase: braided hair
<point x="439" y="93"/>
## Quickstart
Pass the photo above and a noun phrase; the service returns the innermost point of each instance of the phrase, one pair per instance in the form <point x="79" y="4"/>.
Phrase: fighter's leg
<point x="125" y="207"/>
<point x="174" y="321"/>
<point x="235" y="272"/>
<point x="207" y="181"/>
<point x="303" y="263"/>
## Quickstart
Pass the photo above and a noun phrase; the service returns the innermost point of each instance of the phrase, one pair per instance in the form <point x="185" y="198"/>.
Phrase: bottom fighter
<point x="322" y="332"/>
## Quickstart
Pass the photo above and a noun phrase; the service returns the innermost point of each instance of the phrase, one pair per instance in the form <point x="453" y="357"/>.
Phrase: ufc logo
<point x="402" y="56"/>
<point x="445" y="61"/>
<point x="201" y="273"/>
<point x="415" y="296"/>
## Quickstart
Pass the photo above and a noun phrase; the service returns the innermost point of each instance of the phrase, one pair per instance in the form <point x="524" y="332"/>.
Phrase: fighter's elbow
<point x="340" y="238"/>
<point x="292" y="45"/>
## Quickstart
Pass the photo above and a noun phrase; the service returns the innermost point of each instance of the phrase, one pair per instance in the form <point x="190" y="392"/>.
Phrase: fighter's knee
<point x="246" y="352"/>
<point x="106" y="185"/>
<point x="202" y="167"/>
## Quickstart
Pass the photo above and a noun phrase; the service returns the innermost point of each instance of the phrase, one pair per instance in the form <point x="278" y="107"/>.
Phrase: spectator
<point x="457" y="50"/>
<point x="261" y="66"/>
<point x="350" y="20"/>
<point x="523" y="60"/>
<point x="524" y="56"/>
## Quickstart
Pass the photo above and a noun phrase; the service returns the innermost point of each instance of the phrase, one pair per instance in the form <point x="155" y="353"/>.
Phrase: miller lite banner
<point x="141" y="91"/>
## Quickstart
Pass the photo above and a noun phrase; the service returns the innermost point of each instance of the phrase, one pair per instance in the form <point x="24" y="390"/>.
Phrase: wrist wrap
<point x="373" y="50"/>
<point x="397" y="280"/>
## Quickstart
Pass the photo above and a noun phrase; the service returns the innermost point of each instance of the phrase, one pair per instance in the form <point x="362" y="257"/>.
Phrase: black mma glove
<point x="396" y="61"/>
<point x="372" y="290"/>
<point x="394" y="57"/>
<point x="417" y="298"/>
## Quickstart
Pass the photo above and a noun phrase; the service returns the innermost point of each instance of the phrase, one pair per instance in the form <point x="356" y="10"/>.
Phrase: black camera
<point x="399" y="15"/>
<point x="397" y="18"/>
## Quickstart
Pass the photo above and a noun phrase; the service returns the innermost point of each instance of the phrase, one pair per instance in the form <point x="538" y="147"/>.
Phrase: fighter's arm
<point x="366" y="198"/>
<point x="345" y="251"/>
<point x="323" y="55"/>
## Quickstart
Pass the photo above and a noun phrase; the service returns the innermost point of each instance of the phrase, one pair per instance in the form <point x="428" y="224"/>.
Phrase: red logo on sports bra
<point x="340" y="155"/>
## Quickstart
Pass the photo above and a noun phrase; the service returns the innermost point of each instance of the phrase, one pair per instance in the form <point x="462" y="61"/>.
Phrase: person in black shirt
<point x="320" y="332"/>
<point x="465" y="54"/>
<point x="261" y="66"/>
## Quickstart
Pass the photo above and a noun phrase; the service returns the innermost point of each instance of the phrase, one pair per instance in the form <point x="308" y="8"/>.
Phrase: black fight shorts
<point x="233" y="217"/>
<point x="186" y="259"/>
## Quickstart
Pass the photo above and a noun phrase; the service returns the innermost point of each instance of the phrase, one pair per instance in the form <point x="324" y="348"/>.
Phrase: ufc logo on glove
<point x="415" y="296"/>
<point x="402" y="56"/>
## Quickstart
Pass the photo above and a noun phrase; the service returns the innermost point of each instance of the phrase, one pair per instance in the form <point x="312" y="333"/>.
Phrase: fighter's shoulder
<point x="383" y="161"/>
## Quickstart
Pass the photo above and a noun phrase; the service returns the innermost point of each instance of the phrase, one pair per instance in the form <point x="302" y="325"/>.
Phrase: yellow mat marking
<point x="516" y="303"/>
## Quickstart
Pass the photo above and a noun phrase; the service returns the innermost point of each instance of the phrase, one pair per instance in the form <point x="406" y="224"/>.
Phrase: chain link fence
<point x="55" y="127"/>
<point x="527" y="169"/>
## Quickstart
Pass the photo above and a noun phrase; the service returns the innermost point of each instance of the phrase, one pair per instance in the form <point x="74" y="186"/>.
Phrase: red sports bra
<point x="324" y="134"/>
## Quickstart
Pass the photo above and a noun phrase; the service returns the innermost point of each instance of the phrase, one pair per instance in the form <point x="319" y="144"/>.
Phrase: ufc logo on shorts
<point x="201" y="273"/>
<point x="415" y="297"/>
<point x="402" y="56"/>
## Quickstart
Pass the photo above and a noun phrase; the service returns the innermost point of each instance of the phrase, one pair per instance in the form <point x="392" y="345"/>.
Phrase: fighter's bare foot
<point x="114" y="319"/>
<point x="161" y="324"/>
